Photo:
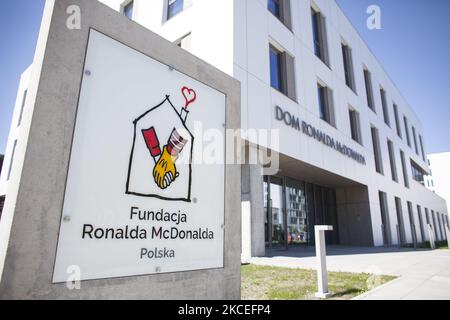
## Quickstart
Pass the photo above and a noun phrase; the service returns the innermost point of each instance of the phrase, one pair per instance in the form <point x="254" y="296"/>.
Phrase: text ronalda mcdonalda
<point x="155" y="232"/>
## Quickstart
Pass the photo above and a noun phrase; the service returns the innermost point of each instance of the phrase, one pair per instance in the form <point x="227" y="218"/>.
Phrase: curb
<point x="365" y="294"/>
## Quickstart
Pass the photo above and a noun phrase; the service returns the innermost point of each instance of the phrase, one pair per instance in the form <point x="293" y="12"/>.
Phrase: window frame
<point x="392" y="160"/>
<point x="377" y="150"/>
<point x="408" y="137"/>
<point x="416" y="146"/>
<point x="384" y="105"/>
<point x="369" y="90"/>
<point x="273" y="51"/>
<point x="422" y="148"/>
<point x="170" y="3"/>
<point x="22" y="107"/>
<point x="397" y="121"/>
<point x="404" y="169"/>
<point x="278" y="4"/>
<point x="320" y="36"/>
<point x="325" y="101"/>
<point x="349" y="72"/>
<point x="124" y="8"/>
<point x="355" y="125"/>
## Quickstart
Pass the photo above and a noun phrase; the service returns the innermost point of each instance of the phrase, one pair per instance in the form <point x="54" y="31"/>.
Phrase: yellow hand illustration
<point x="165" y="171"/>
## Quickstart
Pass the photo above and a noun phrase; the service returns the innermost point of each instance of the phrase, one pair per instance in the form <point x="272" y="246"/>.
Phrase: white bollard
<point x="321" y="254"/>
<point x="431" y="236"/>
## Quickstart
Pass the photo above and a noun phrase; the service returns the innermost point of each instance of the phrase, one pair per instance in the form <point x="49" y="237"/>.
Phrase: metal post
<point x="321" y="254"/>
<point x="431" y="235"/>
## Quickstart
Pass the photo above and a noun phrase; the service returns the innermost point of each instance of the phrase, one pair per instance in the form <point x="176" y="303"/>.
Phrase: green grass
<point x="273" y="283"/>
<point x="438" y="244"/>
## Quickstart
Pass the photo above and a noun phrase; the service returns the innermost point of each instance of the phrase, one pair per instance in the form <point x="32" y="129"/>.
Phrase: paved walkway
<point x="423" y="274"/>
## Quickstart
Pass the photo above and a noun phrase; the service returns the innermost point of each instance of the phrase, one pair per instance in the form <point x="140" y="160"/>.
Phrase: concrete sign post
<point x="431" y="237"/>
<point x="321" y="254"/>
<point x="116" y="198"/>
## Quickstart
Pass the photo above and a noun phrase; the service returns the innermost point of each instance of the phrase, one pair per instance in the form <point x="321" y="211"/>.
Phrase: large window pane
<point x="377" y="150"/>
<point x="369" y="90"/>
<point x="276" y="197"/>
<point x="275" y="69"/>
<point x="128" y="10"/>
<point x="274" y="7"/>
<point x="174" y="7"/>
<point x="354" y="125"/>
<point x="296" y="214"/>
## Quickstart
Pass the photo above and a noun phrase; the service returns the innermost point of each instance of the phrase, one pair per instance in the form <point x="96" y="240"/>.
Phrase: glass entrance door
<point x="292" y="209"/>
<point x="297" y="223"/>
<point x="275" y="213"/>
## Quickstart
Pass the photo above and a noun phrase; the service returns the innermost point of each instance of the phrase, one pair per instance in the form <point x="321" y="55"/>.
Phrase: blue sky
<point x="413" y="46"/>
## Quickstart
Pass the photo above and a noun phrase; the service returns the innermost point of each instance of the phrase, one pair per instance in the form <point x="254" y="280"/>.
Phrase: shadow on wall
<point x="1" y="163"/>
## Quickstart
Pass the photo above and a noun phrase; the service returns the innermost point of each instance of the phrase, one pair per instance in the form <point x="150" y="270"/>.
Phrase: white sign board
<point x="140" y="198"/>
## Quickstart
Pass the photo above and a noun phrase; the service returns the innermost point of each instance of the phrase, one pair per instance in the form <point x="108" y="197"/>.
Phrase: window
<point x="319" y="35"/>
<point x="405" y="173"/>
<point x="422" y="229"/>
<point x="417" y="173"/>
<point x="434" y="225"/>
<point x="412" y="222"/>
<point x="377" y="150"/>
<point x="369" y="92"/>
<point x="24" y="99"/>
<point x="11" y="160"/>
<point x="400" y="223"/>
<point x="427" y="215"/>
<point x="275" y="69"/>
<point x="384" y="218"/>
<point x="282" y="72"/>
<point x="385" y="107"/>
<point x="274" y="7"/>
<point x="422" y="149"/>
<point x="408" y="139"/>
<point x="348" y="67"/>
<point x="128" y="10"/>
<point x="325" y="99"/>
<point x="355" y="126"/>
<point x="416" y="146"/>
<point x="185" y="42"/>
<point x="397" y="121"/>
<point x="174" y="7"/>
<point x="440" y="225"/>
<point x="392" y="161"/>
<point x="282" y="10"/>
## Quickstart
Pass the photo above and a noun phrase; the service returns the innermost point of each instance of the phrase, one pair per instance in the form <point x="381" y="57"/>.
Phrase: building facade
<point x="351" y="149"/>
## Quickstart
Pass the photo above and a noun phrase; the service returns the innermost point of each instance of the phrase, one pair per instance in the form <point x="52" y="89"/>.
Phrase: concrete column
<point x="253" y="196"/>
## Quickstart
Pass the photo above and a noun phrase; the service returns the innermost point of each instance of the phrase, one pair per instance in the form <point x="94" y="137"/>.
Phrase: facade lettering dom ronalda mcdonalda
<point x="288" y="119"/>
<point x="137" y="232"/>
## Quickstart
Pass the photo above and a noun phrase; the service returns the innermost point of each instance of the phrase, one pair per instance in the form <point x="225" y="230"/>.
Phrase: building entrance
<point x="292" y="209"/>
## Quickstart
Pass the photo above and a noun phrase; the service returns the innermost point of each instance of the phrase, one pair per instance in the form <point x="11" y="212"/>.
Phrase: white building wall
<point x="14" y="132"/>
<point x="440" y="167"/>
<point x="234" y="36"/>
